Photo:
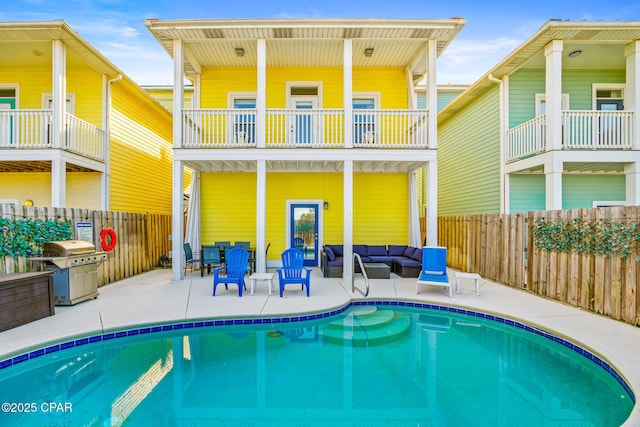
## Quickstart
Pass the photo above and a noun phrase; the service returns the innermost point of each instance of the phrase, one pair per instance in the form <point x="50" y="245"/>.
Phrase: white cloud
<point x="464" y="61"/>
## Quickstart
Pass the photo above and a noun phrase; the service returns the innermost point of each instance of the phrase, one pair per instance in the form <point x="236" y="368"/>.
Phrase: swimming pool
<point x="373" y="364"/>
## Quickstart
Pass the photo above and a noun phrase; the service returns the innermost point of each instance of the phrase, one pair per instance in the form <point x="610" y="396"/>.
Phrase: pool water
<point x="369" y="365"/>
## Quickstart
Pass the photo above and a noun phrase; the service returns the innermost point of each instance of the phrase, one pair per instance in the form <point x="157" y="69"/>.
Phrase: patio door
<point x="304" y="124"/>
<point x="6" y="122"/>
<point x="303" y="226"/>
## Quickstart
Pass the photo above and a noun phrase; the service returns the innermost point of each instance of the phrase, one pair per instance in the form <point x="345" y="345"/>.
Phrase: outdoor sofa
<point x="405" y="261"/>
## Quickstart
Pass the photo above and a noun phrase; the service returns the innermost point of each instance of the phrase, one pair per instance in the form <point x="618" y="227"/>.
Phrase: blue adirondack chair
<point x="434" y="268"/>
<point x="292" y="270"/>
<point x="236" y="267"/>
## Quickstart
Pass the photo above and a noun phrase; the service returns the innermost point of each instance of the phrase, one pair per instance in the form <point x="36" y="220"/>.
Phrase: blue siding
<point x="579" y="191"/>
<point x="526" y="193"/>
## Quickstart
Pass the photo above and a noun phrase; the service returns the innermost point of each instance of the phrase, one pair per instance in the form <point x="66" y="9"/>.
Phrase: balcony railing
<point x="31" y="129"/>
<point x="296" y="128"/>
<point x="588" y="130"/>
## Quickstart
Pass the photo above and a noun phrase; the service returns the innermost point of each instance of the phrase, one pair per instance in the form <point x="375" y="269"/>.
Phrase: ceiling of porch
<point x="581" y="167"/>
<point x="37" y="166"/>
<point x="304" y="166"/>
<point x="306" y="42"/>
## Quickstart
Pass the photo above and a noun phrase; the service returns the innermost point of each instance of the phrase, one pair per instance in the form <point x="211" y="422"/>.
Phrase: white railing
<point x="219" y="128"/>
<point x="526" y="139"/>
<point x="390" y="128"/>
<point x="305" y="128"/>
<point x="296" y="128"/>
<point x="25" y="128"/>
<point x="31" y="129"/>
<point x="589" y="130"/>
<point x="83" y="138"/>
<point x="597" y="130"/>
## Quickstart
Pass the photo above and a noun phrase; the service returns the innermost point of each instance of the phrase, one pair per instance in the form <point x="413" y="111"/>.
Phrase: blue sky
<point x="493" y="29"/>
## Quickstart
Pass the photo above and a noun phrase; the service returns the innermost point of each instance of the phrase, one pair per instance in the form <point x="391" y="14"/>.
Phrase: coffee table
<point x="377" y="270"/>
<point x="268" y="277"/>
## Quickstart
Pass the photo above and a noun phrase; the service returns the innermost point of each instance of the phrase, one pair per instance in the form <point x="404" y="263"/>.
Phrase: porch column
<point x="347" y="72"/>
<point x="177" y="222"/>
<point x="177" y="193"/>
<point x="553" y="90"/>
<point x="178" y="93"/>
<point x="432" y="96"/>
<point x="195" y="98"/>
<point x="261" y="95"/>
<point x="261" y="214"/>
<point x="632" y="175"/>
<point x="347" y="270"/>
<point x="58" y="106"/>
<point x="432" y="203"/>
<point x="632" y="91"/>
<point x="553" y="185"/>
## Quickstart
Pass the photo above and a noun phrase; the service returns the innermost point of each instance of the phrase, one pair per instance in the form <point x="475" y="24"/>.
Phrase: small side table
<point x="474" y="276"/>
<point x="268" y="277"/>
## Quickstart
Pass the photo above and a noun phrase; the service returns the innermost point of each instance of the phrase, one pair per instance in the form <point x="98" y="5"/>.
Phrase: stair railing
<point x="364" y="274"/>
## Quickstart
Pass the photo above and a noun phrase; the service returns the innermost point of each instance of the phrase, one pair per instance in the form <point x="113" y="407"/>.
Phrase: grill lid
<point x="65" y="248"/>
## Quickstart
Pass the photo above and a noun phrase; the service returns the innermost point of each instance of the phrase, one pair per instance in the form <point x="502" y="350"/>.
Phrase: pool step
<point x="367" y="328"/>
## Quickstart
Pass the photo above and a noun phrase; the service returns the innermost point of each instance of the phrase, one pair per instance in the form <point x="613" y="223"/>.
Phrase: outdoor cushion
<point x="377" y="250"/>
<point x="409" y="251"/>
<point x="329" y="253"/>
<point x="337" y="250"/>
<point x="336" y="263"/>
<point x="360" y="250"/>
<point x="379" y="258"/>
<point x="406" y="262"/>
<point x="396" y="250"/>
<point x="417" y="254"/>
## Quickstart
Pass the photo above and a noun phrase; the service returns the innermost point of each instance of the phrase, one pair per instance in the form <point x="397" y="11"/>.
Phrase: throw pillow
<point x="330" y="253"/>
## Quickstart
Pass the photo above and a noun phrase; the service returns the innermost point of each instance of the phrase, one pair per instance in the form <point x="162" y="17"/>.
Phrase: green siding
<point x="524" y="84"/>
<point x="579" y="191"/>
<point x="526" y="193"/>
<point x="469" y="158"/>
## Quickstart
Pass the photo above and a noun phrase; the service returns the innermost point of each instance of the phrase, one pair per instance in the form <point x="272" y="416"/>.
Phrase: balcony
<point x="581" y="130"/>
<point x="290" y="128"/>
<point x="31" y="129"/>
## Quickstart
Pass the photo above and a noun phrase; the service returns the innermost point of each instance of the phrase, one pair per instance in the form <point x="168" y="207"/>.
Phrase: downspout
<point x="503" y="202"/>
<point x="106" y="184"/>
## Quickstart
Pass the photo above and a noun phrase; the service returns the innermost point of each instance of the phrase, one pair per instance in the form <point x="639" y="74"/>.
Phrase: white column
<point x="432" y="203"/>
<point x="177" y="222"/>
<point x="347" y="270"/>
<point x="553" y="90"/>
<point x="632" y="175"/>
<point x="195" y="99"/>
<point x="553" y="185"/>
<point x="58" y="182"/>
<point x="632" y="90"/>
<point x="347" y="77"/>
<point x="261" y="95"/>
<point x="58" y="107"/>
<point x="432" y="95"/>
<point x="178" y="93"/>
<point x="261" y="214"/>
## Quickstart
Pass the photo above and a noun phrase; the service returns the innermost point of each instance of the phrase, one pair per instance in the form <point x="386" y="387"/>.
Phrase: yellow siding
<point x="83" y="188"/>
<point x="86" y="85"/>
<point x="218" y="82"/>
<point x="33" y="82"/>
<point x="228" y="207"/>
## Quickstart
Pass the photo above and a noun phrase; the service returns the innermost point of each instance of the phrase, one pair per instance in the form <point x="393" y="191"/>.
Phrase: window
<point x="541" y="103"/>
<point x="364" y="124"/>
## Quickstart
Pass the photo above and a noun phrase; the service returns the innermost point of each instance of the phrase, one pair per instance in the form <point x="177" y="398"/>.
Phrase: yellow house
<point x="75" y="131"/>
<point x="305" y="128"/>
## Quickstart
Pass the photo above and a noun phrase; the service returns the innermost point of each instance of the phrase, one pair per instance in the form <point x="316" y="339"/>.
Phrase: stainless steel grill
<point x="75" y="267"/>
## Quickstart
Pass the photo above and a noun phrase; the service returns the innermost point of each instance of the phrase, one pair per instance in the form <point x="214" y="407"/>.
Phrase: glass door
<point x="6" y="122"/>
<point x="305" y="128"/>
<point x="304" y="231"/>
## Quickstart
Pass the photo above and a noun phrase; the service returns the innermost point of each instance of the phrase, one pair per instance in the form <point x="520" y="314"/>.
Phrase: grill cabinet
<point x="74" y="264"/>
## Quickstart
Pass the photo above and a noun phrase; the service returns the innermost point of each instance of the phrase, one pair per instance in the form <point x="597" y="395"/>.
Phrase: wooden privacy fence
<point x="141" y="238"/>
<point x="582" y="269"/>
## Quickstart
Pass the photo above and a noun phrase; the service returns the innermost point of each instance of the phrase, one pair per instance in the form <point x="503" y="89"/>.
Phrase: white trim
<point x="71" y="102"/>
<point x="366" y="95"/>
<point x="543" y="97"/>
<point x="320" y="207"/>
<point x="14" y="202"/>
<point x="292" y="84"/>
<point x="231" y="96"/>
<point x="16" y="93"/>
<point x="607" y="203"/>
<point x="376" y="106"/>
<point x="609" y="86"/>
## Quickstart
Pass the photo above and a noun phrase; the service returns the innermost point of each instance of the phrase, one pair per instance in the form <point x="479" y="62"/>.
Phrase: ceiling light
<point x="239" y="52"/>
<point x="575" y="53"/>
<point x="368" y="52"/>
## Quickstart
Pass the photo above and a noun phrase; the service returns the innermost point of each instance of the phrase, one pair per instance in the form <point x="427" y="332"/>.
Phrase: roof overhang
<point x="305" y="42"/>
<point x="602" y="44"/>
